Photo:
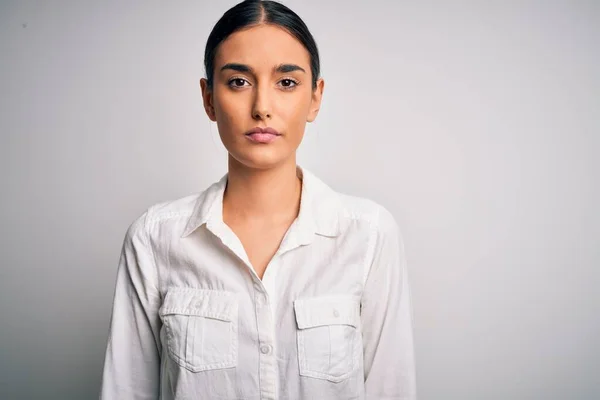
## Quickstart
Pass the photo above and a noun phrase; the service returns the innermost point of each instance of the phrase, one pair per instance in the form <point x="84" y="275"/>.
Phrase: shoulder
<point x="369" y="212"/>
<point x="173" y="213"/>
<point x="173" y="209"/>
<point x="377" y="225"/>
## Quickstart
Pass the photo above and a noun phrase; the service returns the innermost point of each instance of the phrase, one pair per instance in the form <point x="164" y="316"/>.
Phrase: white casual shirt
<point x="331" y="318"/>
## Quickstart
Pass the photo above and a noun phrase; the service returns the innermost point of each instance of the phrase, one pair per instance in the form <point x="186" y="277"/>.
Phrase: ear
<point x="207" y="98"/>
<point x="315" y="104"/>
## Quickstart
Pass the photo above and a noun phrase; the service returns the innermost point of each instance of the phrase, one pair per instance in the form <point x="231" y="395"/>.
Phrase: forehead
<point x="262" y="46"/>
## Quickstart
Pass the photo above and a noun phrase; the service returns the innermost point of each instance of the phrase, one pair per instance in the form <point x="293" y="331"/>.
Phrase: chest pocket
<point x="201" y="328"/>
<point x="328" y="336"/>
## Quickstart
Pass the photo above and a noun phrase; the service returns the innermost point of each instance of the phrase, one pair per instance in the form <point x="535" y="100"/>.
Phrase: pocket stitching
<point x="353" y="360"/>
<point x="304" y="371"/>
<point x="230" y="361"/>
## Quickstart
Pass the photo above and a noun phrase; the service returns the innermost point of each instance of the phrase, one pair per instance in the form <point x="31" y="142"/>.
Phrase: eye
<point x="237" y="82"/>
<point x="288" y="83"/>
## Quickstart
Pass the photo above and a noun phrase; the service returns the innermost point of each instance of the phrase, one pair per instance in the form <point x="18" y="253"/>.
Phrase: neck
<point x="270" y="196"/>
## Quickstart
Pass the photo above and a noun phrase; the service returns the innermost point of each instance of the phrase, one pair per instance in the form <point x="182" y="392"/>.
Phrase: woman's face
<point x="262" y="78"/>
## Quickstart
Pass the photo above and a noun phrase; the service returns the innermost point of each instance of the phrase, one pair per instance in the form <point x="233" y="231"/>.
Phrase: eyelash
<point x="294" y="81"/>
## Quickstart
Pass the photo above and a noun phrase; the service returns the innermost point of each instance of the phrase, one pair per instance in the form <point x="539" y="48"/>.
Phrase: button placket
<point x="265" y="349"/>
<point x="269" y="381"/>
<point x="261" y="300"/>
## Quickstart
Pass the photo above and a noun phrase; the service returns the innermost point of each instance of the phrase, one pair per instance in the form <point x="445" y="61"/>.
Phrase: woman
<point x="268" y="284"/>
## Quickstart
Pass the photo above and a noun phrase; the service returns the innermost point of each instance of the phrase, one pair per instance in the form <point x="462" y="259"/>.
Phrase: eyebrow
<point x="282" y="68"/>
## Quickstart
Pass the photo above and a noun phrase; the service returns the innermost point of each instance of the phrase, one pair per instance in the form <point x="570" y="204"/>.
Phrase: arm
<point x="132" y="360"/>
<point x="386" y="314"/>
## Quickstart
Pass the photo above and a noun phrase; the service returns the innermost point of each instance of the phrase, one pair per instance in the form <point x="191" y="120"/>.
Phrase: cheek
<point x="229" y="110"/>
<point x="295" y="109"/>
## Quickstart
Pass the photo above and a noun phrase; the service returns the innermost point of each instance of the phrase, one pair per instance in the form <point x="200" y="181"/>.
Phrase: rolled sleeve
<point x="132" y="360"/>
<point x="386" y="314"/>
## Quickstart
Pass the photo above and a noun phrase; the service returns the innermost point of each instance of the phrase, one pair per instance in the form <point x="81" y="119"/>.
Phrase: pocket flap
<point x="327" y="310"/>
<point x="216" y="304"/>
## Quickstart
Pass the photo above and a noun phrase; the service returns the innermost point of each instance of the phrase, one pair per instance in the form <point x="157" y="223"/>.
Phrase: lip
<point x="262" y="135"/>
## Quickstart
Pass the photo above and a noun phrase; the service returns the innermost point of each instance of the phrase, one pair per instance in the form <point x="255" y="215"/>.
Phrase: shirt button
<point x="265" y="349"/>
<point x="336" y="313"/>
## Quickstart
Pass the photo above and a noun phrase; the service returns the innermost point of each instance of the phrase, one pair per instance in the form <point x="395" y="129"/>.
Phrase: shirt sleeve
<point x="132" y="360"/>
<point x="386" y="315"/>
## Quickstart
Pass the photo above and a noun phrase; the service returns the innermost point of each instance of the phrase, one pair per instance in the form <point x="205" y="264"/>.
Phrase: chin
<point x="260" y="159"/>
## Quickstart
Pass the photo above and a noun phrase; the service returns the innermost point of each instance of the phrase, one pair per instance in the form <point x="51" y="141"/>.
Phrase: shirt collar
<point x="319" y="208"/>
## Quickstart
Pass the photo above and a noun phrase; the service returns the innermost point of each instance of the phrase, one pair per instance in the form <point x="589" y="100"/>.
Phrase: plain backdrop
<point x="477" y="123"/>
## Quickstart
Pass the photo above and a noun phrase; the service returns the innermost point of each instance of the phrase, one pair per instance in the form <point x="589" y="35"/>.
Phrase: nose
<point x="261" y="108"/>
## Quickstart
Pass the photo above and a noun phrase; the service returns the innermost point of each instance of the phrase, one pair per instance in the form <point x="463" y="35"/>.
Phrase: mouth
<point x="262" y="135"/>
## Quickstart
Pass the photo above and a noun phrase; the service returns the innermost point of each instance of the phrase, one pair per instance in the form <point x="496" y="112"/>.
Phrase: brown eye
<point x="288" y="83"/>
<point x="237" y="82"/>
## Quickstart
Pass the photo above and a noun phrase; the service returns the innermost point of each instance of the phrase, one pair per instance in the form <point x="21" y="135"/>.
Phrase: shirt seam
<point x="372" y="220"/>
<point x="369" y="254"/>
<point x="147" y="221"/>
<point x="168" y="215"/>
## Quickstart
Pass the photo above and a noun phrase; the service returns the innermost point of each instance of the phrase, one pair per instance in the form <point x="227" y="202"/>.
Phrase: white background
<point x="475" y="122"/>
